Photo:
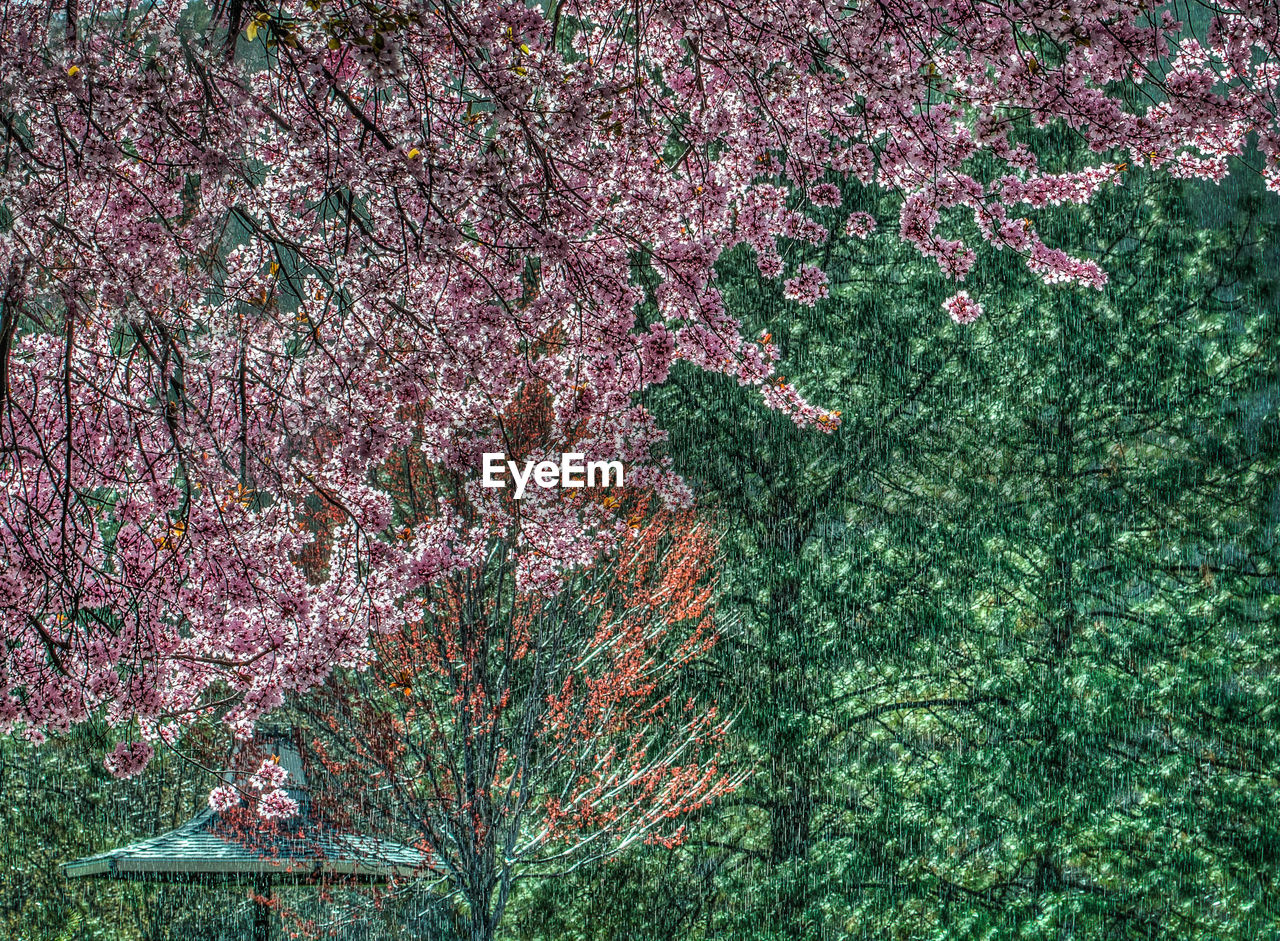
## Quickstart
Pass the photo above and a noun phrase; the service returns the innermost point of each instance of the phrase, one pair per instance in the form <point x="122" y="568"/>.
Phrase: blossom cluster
<point x="265" y="787"/>
<point x="962" y="308"/>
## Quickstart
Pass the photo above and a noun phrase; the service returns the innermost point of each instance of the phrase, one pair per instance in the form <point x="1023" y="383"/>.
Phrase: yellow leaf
<point x="524" y="48"/>
<point x="252" y="30"/>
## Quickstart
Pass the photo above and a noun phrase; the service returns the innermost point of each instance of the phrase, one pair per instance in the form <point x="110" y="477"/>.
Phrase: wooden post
<point x="262" y="912"/>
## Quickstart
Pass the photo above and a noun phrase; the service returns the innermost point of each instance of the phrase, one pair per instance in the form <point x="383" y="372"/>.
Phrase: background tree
<point x="1008" y="637"/>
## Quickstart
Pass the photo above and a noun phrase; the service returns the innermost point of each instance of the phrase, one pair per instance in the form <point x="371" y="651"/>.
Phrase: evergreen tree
<point x="1006" y="644"/>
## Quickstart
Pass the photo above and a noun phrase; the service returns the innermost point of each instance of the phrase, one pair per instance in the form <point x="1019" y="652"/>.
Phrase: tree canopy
<point x="250" y="251"/>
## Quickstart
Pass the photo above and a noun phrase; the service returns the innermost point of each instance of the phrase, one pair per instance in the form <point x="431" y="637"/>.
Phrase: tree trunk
<point x="262" y="913"/>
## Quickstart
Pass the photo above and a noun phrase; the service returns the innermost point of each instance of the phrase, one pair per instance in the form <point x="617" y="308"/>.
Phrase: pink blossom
<point x="860" y="225"/>
<point x="808" y="287"/>
<point x="268" y="775"/>
<point x="128" y="759"/>
<point x="223" y="798"/>
<point x="962" y="308"/>
<point x="277" y="804"/>
<point x="825" y="194"/>
<point x="770" y="264"/>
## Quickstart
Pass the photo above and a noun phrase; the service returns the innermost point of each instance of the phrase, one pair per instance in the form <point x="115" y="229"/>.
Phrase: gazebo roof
<point x="197" y="852"/>
<point x="209" y="848"/>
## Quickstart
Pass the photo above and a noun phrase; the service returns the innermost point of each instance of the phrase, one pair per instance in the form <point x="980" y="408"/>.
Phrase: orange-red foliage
<point x="512" y="731"/>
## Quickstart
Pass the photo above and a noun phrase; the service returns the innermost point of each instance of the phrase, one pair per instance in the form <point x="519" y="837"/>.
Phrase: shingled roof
<point x="208" y="848"/>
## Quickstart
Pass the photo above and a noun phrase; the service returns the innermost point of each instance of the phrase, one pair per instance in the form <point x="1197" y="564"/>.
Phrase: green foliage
<point x="1008" y="639"/>
<point x="59" y="803"/>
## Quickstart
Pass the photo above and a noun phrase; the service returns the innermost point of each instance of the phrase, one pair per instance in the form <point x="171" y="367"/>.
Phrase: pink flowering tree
<point x="250" y="252"/>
